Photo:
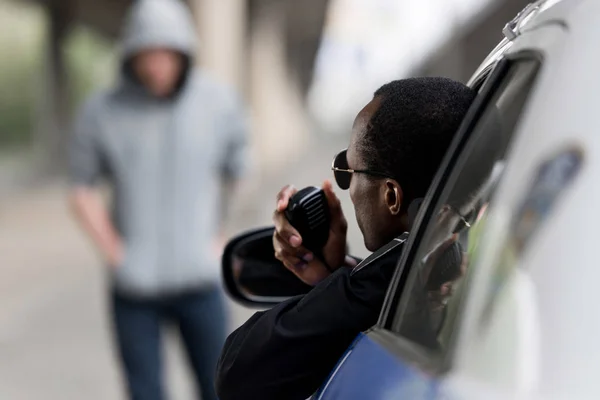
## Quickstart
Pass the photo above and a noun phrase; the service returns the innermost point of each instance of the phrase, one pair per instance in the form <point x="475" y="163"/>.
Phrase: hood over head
<point x="166" y="24"/>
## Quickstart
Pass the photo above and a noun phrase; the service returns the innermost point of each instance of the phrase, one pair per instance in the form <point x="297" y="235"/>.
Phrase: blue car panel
<point x="368" y="371"/>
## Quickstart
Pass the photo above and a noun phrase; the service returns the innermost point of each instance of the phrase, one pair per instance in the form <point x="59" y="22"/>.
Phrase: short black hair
<point x="407" y="137"/>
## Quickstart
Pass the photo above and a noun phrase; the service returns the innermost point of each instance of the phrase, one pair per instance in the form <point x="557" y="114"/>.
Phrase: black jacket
<point x="288" y="351"/>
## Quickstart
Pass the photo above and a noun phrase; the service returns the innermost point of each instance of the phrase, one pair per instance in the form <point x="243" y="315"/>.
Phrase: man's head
<point x="159" y="44"/>
<point x="158" y="70"/>
<point x="400" y="138"/>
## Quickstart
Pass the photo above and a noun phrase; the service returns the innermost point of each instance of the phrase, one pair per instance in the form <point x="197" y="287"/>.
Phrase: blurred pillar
<point x="304" y="26"/>
<point x="54" y="112"/>
<point x="280" y="121"/>
<point x="221" y="27"/>
<point x="257" y="66"/>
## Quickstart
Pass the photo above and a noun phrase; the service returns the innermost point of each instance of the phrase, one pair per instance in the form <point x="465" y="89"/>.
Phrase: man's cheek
<point x="359" y="221"/>
<point x="351" y="193"/>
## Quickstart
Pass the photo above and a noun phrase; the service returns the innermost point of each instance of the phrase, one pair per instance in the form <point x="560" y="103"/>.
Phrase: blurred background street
<point x="54" y="327"/>
<point x="303" y="67"/>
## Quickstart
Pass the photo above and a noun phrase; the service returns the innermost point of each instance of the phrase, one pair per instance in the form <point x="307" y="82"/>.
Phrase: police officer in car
<point x="398" y="141"/>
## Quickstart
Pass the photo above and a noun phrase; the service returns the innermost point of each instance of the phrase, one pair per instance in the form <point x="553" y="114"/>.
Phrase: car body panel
<point x="369" y="371"/>
<point x="560" y="263"/>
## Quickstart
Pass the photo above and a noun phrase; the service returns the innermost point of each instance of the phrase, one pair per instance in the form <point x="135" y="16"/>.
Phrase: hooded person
<point x="166" y="139"/>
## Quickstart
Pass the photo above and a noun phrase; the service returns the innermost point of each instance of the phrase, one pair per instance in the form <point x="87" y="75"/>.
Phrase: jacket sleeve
<point x="288" y="351"/>
<point x="236" y="132"/>
<point x="85" y="166"/>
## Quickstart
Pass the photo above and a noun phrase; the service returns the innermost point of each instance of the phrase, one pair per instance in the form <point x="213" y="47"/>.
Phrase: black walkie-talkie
<point x="308" y="212"/>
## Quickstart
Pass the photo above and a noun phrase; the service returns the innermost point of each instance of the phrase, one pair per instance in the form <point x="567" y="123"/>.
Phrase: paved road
<point x="54" y="334"/>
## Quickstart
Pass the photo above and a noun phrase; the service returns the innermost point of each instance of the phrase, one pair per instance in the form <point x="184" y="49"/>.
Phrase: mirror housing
<point x="251" y="273"/>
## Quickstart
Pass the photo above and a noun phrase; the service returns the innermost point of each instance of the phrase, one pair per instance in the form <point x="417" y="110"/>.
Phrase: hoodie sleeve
<point x="84" y="152"/>
<point x="236" y="155"/>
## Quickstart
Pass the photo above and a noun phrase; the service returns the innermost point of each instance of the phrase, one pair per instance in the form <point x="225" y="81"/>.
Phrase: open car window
<point x="431" y="301"/>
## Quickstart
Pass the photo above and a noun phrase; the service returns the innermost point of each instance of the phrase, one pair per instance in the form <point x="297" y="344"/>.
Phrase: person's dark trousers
<point x="200" y="318"/>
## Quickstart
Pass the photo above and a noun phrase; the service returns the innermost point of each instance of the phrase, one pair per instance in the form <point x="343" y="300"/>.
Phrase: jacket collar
<point x="394" y="245"/>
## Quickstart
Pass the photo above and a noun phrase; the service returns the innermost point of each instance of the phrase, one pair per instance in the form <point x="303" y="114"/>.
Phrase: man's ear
<point x="393" y="196"/>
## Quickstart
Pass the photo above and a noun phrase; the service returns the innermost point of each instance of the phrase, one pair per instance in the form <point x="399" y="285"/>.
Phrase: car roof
<point x="535" y="14"/>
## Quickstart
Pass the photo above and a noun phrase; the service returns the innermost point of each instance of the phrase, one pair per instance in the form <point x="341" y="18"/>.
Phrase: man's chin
<point x="368" y="242"/>
<point x="369" y="245"/>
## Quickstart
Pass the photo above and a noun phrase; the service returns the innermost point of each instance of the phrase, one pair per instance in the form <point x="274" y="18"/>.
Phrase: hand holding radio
<point x="314" y="257"/>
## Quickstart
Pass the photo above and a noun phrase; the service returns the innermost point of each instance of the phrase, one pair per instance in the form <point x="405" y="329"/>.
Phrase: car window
<point x="551" y="179"/>
<point x="431" y="301"/>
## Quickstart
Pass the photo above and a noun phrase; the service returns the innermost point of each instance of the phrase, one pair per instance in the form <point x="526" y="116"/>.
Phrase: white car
<point x="517" y="317"/>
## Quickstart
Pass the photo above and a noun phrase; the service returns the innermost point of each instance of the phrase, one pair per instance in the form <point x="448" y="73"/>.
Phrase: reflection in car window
<point x="431" y="301"/>
<point x="550" y="181"/>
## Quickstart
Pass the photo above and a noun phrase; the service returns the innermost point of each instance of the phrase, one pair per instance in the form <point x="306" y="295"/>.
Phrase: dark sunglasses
<point x="343" y="174"/>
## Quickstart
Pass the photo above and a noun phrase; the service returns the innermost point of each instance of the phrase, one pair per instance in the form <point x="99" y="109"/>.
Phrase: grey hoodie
<point x="165" y="160"/>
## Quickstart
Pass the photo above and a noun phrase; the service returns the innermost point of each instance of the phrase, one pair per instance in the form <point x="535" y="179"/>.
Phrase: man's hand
<point x="94" y="218"/>
<point x="288" y="242"/>
<point x="115" y="256"/>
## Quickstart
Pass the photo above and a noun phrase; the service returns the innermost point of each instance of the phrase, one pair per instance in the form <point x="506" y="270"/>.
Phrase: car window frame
<point x="383" y="332"/>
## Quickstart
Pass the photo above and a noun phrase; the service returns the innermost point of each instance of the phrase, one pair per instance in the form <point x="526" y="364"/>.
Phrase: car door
<point x="411" y="349"/>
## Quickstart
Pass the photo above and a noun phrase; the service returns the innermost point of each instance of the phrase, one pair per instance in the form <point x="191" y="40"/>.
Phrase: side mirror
<point x="251" y="273"/>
